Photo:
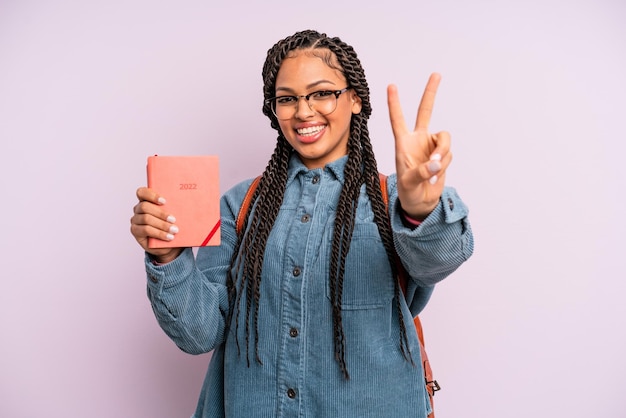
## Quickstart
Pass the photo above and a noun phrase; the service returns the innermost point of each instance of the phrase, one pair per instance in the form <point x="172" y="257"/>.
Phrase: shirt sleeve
<point x="189" y="295"/>
<point x="441" y="243"/>
<point x="187" y="306"/>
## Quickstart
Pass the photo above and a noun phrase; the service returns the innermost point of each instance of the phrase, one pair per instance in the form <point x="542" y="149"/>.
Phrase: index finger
<point x="398" y="126"/>
<point x="149" y="195"/>
<point x="427" y="103"/>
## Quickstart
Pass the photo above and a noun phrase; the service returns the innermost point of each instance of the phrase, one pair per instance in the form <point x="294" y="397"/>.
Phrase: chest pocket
<point x="367" y="282"/>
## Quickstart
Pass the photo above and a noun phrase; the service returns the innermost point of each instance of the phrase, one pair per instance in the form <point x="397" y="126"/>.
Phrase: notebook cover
<point x="190" y="186"/>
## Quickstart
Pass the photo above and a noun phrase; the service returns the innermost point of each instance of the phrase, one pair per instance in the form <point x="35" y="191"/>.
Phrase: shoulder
<point x="391" y="183"/>
<point x="239" y="189"/>
<point x="233" y="197"/>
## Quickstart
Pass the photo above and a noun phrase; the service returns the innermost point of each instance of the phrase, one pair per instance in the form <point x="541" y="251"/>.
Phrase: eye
<point x="286" y="100"/>
<point x="322" y="95"/>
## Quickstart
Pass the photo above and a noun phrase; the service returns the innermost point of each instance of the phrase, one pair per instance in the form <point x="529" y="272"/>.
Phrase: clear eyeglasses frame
<point x="323" y="102"/>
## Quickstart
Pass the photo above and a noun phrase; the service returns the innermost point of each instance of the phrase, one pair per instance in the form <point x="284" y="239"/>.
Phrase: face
<point x="318" y="139"/>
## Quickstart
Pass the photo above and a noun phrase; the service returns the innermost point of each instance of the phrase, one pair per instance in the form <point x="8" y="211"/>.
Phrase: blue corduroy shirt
<point x="299" y="376"/>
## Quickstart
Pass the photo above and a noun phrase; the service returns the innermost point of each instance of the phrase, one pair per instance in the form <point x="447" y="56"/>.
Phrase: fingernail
<point x="435" y="157"/>
<point x="171" y="219"/>
<point x="434" y="166"/>
<point x="162" y="200"/>
<point x="169" y="237"/>
<point x="174" y="229"/>
<point x="433" y="179"/>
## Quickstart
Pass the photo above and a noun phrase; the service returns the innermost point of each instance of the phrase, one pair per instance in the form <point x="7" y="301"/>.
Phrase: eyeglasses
<point x="323" y="102"/>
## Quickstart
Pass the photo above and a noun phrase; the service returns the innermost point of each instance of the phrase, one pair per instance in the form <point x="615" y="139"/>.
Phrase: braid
<point x="342" y="235"/>
<point x="247" y="260"/>
<point x="381" y="217"/>
<point x="250" y="250"/>
<point x="361" y="154"/>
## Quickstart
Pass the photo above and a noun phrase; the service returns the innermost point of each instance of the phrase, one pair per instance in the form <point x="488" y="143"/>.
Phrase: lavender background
<point x="532" y="92"/>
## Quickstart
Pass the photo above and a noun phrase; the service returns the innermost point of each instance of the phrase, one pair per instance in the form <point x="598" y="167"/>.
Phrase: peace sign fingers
<point x="421" y="157"/>
<point x="427" y="103"/>
<point x="398" y="125"/>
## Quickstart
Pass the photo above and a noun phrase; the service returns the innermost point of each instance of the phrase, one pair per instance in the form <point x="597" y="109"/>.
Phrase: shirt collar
<point x="335" y="168"/>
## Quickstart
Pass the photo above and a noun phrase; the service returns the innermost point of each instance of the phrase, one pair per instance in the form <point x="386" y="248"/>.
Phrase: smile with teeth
<point x="312" y="130"/>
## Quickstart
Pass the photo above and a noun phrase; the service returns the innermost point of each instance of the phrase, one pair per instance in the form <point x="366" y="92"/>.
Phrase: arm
<point x="441" y="243"/>
<point x="189" y="295"/>
<point x="189" y="306"/>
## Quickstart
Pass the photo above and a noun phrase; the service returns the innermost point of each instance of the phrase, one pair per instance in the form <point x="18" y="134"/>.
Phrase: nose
<point x="303" y="108"/>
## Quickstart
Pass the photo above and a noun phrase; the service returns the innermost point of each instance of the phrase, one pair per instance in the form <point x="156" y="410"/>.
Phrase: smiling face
<point x="318" y="139"/>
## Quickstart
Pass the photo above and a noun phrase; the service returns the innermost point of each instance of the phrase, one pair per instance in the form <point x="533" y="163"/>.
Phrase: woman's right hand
<point x="149" y="220"/>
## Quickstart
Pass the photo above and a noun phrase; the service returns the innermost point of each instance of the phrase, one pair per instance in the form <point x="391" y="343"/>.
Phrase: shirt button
<point x="154" y="279"/>
<point x="305" y="218"/>
<point x="296" y="271"/>
<point x="291" y="393"/>
<point x="450" y="204"/>
<point x="316" y="180"/>
<point x="293" y="332"/>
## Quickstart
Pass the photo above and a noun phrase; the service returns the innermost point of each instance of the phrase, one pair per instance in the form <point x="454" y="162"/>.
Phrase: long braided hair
<point x="247" y="259"/>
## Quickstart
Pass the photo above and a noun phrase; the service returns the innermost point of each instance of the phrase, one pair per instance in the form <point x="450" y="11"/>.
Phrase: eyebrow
<point x="308" y="87"/>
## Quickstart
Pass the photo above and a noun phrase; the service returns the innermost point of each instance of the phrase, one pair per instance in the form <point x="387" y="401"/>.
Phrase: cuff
<point x="408" y="221"/>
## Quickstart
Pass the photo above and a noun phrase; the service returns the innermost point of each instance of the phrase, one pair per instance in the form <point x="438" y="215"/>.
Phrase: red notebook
<point x="190" y="186"/>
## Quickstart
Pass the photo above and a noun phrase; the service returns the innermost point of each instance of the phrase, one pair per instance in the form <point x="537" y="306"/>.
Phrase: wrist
<point x="419" y="215"/>
<point x="161" y="259"/>
<point x="410" y="219"/>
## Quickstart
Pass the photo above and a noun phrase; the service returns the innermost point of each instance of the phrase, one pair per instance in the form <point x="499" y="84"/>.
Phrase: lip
<point x="310" y="138"/>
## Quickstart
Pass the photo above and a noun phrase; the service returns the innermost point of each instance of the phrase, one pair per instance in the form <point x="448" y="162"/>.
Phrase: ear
<point x="356" y="102"/>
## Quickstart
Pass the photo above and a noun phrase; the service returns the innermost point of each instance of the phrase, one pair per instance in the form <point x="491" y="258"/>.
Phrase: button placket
<point x="293" y="329"/>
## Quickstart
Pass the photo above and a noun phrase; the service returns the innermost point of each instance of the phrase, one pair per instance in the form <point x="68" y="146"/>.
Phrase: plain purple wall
<point x="532" y="92"/>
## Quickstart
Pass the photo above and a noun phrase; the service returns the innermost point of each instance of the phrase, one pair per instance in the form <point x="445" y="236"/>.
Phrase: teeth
<point x="311" y="130"/>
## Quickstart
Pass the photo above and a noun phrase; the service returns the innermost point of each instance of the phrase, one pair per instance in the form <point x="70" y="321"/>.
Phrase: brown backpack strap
<point x="431" y="384"/>
<point x="247" y="199"/>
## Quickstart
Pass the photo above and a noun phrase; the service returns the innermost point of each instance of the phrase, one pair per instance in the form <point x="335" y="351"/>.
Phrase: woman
<point x="303" y="309"/>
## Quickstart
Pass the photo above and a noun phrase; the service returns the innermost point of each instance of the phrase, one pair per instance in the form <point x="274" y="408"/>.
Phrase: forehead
<point x="304" y="68"/>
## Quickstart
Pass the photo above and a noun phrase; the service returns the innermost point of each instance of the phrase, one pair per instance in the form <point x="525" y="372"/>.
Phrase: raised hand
<point x="149" y="220"/>
<point x="421" y="157"/>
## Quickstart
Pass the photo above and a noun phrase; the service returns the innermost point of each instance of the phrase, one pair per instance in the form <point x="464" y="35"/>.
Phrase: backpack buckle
<point x="433" y="385"/>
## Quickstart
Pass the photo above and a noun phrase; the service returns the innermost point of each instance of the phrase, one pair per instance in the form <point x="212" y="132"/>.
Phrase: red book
<point x="190" y="186"/>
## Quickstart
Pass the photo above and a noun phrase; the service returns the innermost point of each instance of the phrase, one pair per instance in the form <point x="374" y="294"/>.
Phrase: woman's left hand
<point x="421" y="157"/>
